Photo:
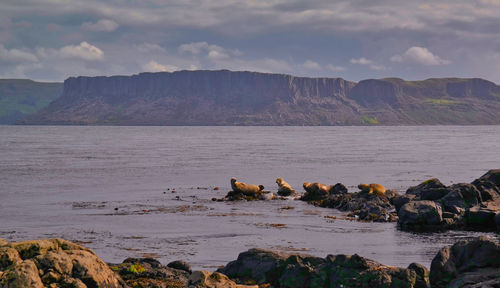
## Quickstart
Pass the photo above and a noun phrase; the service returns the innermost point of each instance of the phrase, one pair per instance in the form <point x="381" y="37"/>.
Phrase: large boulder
<point x="480" y="218"/>
<point x="54" y="263"/>
<point x="431" y="189"/>
<point x="267" y="268"/>
<point x="474" y="263"/>
<point x="492" y="176"/>
<point x="401" y="200"/>
<point x="460" y="198"/>
<point x="420" y="215"/>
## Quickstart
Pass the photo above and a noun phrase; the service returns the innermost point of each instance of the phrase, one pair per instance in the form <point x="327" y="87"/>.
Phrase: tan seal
<point x="246" y="189"/>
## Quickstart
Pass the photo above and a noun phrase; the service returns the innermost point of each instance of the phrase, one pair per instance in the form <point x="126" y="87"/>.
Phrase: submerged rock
<point x="54" y="263"/>
<point x="474" y="263"/>
<point x="295" y="270"/>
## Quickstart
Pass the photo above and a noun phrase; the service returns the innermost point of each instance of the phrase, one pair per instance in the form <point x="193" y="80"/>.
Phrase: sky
<point x="51" y="40"/>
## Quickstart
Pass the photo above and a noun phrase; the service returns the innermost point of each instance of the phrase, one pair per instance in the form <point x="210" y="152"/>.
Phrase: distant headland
<point x="248" y="98"/>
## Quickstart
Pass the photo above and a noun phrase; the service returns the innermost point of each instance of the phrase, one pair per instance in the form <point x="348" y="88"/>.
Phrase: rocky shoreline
<point x="429" y="206"/>
<point x="57" y="263"/>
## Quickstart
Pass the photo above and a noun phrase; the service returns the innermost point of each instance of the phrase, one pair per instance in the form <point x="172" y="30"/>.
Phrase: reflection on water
<point x="111" y="187"/>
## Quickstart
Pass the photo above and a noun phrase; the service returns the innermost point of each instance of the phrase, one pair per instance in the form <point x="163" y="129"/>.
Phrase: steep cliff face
<point x="250" y="98"/>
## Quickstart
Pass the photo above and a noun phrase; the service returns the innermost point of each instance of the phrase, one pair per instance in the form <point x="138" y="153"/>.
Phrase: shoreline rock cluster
<point x="432" y="206"/>
<point x="57" y="263"/>
<point x="429" y="206"/>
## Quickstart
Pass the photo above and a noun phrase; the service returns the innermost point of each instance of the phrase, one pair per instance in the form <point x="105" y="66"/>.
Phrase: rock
<point x="180" y="265"/>
<point x="420" y="215"/>
<point x="401" y="200"/>
<point x="472" y="263"/>
<point x="460" y="197"/>
<point x="150" y="273"/>
<point x="480" y="218"/>
<point x="391" y="194"/>
<point x="490" y="193"/>
<point x="3" y="242"/>
<point x="296" y="270"/>
<point x="206" y="279"/>
<point x="492" y="176"/>
<point x="22" y="274"/>
<point x="8" y="256"/>
<point x="497" y="221"/>
<point x="238" y="196"/>
<point x="338" y="188"/>
<point x="367" y="207"/>
<point x="428" y="185"/>
<point x="422" y="274"/>
<point x="53" y="262"/>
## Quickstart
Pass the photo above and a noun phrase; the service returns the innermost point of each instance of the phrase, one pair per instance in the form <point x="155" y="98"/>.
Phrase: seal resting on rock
<point x="315" y="191"/>
<point x="316" y="188"/>
<point x="245" y="189"/>
<point x="284" y="188"/>
<point x="372" y="188"/>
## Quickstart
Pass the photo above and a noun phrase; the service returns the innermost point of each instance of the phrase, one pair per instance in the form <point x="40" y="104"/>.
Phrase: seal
<point x="372" y="188"/>
<point x="316" y="190"/>
<point x="245" y="189"/>
<point x="284" y="188"/>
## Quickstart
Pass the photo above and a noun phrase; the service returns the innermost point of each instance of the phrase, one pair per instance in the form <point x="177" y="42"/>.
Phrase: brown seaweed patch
<point x="270" y="225"/>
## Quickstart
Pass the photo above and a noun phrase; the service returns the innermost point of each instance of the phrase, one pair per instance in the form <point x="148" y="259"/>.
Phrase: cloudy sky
<point x="50" y="40"/>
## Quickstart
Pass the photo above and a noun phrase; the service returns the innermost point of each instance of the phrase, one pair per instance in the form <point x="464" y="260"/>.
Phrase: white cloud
<point x="83" y="51"/>
<point x="334" y="68"/>
<point x="103" y="25"/>
<point x="216" y="55"/>
<point x="16" y="55"/>
<point x="420" y="55"/>
<point x="367" y="62"/>
<point x="193" y="48"/>
<point x="311" y="65"/>
<point x="377" y="67"/>
<point x="361" y="61"/>
<point x="151" y="48"/>
<point x="153" y="66"/>
<point x="213" y="52"/>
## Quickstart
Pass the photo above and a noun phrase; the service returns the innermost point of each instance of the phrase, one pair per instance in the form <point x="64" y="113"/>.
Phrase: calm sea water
<point x="111" y="187"/>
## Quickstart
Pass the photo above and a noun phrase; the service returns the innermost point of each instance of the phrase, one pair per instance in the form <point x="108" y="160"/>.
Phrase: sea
<point x="147" y="191"/>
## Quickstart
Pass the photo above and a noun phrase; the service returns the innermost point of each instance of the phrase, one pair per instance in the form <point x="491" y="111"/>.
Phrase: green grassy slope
<point x="21" y="97"/>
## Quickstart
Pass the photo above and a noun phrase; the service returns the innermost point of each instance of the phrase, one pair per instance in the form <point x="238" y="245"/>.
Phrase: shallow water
<point x="67" y="181"/>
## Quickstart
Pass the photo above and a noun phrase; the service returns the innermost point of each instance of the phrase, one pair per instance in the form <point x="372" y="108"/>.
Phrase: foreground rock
<point x="434" y="206"/>
<point x="361" y="205"/>
<point x="149" y="273"/>
<point x="53" y="263"/>
<point x="271" y="269"/>
<point x="206" y="279"/>
<point x="473" y="263"/>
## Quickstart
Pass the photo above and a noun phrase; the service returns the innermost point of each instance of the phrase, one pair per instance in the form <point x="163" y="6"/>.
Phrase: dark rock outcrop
<point x="251" y="98"/>
<point x="150" y="273"/>
<point x="474" y="263"/>
<point x="361" y="205"/>
<point x="433" y="206"/>
<point x="295" y="270"/>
